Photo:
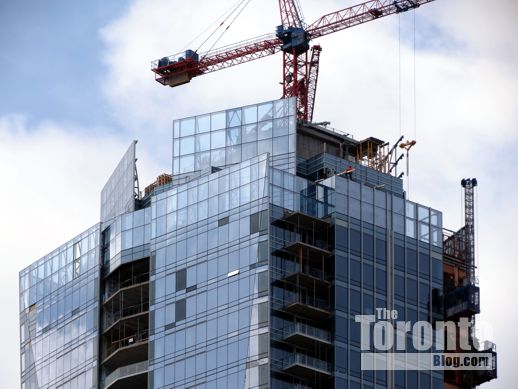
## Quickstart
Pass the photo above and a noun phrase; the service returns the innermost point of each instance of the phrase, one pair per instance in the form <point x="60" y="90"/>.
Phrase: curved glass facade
<point x="59" y="313"/>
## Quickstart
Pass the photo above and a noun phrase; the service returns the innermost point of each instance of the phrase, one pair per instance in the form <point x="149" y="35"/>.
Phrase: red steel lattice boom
<point x="300" y="75"/>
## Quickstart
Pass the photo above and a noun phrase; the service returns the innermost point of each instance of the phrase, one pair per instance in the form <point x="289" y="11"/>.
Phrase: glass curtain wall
<point x="59" y="313"/>
<point x="209" y="274"/>
<point x="229" y="137"/>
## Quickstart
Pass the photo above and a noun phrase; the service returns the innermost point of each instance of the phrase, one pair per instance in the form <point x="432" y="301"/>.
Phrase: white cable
<point x="415" y="88"/>
<point x="399" y="72"/>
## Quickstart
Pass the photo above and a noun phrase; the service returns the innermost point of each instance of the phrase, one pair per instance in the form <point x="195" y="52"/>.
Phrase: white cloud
<point x="52" y="175"/>
<point x="148" y="32"/>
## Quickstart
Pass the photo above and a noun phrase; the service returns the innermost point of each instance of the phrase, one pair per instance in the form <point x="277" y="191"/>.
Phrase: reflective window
<point x="187" y="127"/>
<point x="381" y="281"/>
<point x="424" y="264"/>
<point x="355" y="272"/>
<point x="281" y="127"/>
<point x="411" y="290"/>
<point x="249" y="133"/>
<point x="233" y="136"/>
<point x="218" y="120"/>
<point x="368" y="276"/>
<point x="187" y="164"/>
<point x="217" y="139"/>
<point x="265" y="111"/>
<point x="202" y="142"/>
<point x="411" y="261"/>
<point x="230" y="137"/>
<point x="234" y="117"/>
<point x="265" y="130"/>
<point x="250" y="114"/>
<point x="410" y="210"/>
<point x="187" y="145"/>
<point x="423" y="213"/>
<point x="202" y="124"/>
<point x="399" y="287"/>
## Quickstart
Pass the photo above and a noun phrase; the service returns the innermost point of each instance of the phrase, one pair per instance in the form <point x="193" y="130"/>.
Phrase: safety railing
<point x="126" y="371"/>
<point x="307" y="330"/>
<point x="306" y="299"/>
<point x="306" y="360"/>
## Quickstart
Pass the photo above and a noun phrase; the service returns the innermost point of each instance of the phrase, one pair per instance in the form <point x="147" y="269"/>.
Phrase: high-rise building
<point x="248" y="266"/>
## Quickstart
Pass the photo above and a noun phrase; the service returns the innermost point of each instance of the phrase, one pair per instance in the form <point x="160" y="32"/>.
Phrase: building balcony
<point x="306" y="250"/>
<point x="306" y="336"/>
<point x="130" y="376"/>
<point x="125" y="317"/>
<point x="305" y="366"/>
<point x="304" y="276"/>
<point x="126" y="277"/>
<point x="308" y="277"/>
<point x="463" y="301"/>
<point x="128" y="350"/>
<point x="306" y="221"/>
<point x="126" y="313"/>
<point x="134" y="281"/>
<point x="308" y="307"/>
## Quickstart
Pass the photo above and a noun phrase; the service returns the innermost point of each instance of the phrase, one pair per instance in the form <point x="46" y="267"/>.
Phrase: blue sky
<point x="76" y="89"/>
<point x="49" y="58"/>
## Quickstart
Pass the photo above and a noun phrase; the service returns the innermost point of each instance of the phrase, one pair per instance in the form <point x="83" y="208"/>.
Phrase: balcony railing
<point x="307" y="330"/>
<point x="306" y="270"/>
<point x="126" y="371"/>
<point x="306" y="361"/>
<point x="305" y="299"/>
<point x="298" y="241"/>
<point x="310" y="214"/>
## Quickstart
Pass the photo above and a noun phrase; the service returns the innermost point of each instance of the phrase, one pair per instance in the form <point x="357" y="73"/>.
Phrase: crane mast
<point x="469" y="185"/>
<point x="312" y="80"/>
<point x="291" y="14"/>
<point x="292" y="37"/>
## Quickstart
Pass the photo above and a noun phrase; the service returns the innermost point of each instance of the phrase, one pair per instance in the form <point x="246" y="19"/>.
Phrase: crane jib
<point x="293" y="36"/>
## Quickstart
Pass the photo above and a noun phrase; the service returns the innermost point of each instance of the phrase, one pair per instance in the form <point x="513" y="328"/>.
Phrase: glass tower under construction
<point x="246" y="267"/>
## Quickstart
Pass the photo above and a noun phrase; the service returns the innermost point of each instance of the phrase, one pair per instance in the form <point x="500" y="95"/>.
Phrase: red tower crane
<point x="300" y="70"/>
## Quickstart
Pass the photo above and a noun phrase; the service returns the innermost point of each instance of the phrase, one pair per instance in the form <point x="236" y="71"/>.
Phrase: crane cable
<point x="399" y="73"/>
<point x="232" y="10"/>
<point x="400" y="82"/>
<point x="188" y="45"/>
<point x="230" y="24"/>
<point x="220" y="21"/>
<point x="400" y="98"/>
<point x="415" y="86"/>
